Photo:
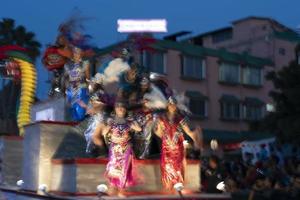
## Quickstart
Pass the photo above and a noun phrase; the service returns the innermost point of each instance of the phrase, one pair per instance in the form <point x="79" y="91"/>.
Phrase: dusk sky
<point x="44" y="16"/>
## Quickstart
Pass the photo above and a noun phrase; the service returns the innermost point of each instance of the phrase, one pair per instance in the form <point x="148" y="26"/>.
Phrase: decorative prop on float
<point x="18" y="66"/>
<point x="53" y="59"/>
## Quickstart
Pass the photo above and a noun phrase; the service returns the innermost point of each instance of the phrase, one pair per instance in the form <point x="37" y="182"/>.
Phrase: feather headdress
<point x="155" y="98"/>
<point x="111" y="71"/>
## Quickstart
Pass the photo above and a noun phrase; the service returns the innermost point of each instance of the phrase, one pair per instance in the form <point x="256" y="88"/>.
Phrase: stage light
<point x="221" y="186"/>
<point x="135" y="25"/>
<point x="178" y="187"/>
<point x="102" y="188"/>
<point x="43" y="188"/>
<point x="20" y="183"/>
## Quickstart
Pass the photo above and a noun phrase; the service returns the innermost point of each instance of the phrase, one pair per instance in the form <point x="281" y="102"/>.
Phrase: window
<point x="154" y="62"/>
<point x="281" y="51"/>
<point x="193" y="67"/>
<point x="229" y="73"/>
<point x="198" y="107"/>
<point x="230" y="107"/>
<point x="222" y="36"/>
<point x="230" y="110"/>
<point x="252" y="76"/>
<point x="253" y="109"/>
<point x="197" y="103"/>
<point x="253" y="113"/>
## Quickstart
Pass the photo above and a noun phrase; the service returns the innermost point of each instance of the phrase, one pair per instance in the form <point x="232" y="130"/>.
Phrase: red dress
<point x="172" y="154"/>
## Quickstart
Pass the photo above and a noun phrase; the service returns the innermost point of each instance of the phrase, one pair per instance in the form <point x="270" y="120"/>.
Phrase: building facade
<point x="225" y="90"/>
<point x="222" y="72"/>
<point x="258" y="36"/>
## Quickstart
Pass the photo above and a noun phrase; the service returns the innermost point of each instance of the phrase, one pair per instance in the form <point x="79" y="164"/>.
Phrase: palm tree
<point x="10" y="34"/>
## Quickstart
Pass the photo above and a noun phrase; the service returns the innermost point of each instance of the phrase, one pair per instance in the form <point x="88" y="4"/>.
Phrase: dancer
<point x="117" y="131"/>
<point x="171" y="128"/>
<point x="99" y="100"/>
<point x="145" y="118"/>
<point x="77" y="71"/>
<point x="54" y="60"/>
<point x="150" y="99"/>
<point x="129" y="84"/>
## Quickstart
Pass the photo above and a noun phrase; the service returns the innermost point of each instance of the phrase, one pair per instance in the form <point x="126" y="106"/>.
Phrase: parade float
<point x="52" y="159"/>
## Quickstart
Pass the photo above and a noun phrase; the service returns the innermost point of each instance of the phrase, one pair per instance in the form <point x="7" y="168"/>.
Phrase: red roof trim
<point x="105" y="160"/>
<point x="13" y="137"/>
<point x="54" y="122"/>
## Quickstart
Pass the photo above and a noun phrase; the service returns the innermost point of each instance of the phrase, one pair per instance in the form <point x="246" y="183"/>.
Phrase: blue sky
<point x="44" y="16"/>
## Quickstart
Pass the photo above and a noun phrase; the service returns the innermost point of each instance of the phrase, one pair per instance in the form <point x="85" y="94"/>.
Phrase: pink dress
<point x="119" y="167"/>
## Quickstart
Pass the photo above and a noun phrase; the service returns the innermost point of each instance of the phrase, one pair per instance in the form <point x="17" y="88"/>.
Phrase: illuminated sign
<point x="151" y="25"/>
<point x="47" y="114"/>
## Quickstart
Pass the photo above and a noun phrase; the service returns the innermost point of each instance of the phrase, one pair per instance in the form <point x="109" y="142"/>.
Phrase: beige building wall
<point x="255" y="36"/>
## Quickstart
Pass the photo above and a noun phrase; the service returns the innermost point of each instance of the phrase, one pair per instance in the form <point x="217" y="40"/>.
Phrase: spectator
<point x="213" y="175"/>
<point x="263" y="153"/>
<point x="266" y="179"/>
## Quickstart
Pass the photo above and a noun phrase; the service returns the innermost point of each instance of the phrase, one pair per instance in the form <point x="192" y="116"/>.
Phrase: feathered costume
<point x="172" y="136"/>
<point x="77" y="88"/>
<point x="142" y="140"/>
<point x="110" y="72"/>
<point x="59" y="59"/>
<point x="99" y="96"/>
<point x="153" y="99"/>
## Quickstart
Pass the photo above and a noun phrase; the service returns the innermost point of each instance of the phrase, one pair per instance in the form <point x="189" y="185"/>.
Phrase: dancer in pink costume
<point x="117" y="132"/>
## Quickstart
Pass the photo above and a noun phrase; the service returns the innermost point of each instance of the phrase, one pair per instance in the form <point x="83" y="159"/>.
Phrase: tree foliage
<point x="10" y="34"/>
<point x="285" y="120"/>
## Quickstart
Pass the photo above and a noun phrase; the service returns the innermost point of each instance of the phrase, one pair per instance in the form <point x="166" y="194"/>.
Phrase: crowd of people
<point x="275" y="175"/>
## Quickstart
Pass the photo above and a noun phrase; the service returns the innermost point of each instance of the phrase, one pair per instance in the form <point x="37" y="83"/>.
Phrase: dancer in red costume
<point x="171" y="128"/>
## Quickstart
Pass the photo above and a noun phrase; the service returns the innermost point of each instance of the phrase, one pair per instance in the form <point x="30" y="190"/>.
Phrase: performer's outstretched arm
<point x="97" y="135"/>
<point x="136" y="127"/>
<point x="158" y="130"/>
<point x="196" y="135"/>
